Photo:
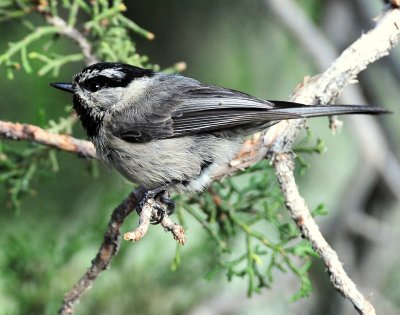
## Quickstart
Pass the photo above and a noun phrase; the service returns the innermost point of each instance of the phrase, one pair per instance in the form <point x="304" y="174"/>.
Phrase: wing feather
<point x="195" y="108"/>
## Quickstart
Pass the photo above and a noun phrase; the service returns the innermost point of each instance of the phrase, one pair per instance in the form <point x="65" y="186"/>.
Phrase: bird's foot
<point x="166" y="200"/>
<point x="163" y="204"/>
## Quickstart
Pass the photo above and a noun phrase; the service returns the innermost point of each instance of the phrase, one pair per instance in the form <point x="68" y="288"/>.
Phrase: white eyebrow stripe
<point x="112" y="73"/>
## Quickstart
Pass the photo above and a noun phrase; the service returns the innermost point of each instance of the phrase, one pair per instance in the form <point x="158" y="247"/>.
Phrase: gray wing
<point x="193" y="109"/>
<point x="210" y="108"/>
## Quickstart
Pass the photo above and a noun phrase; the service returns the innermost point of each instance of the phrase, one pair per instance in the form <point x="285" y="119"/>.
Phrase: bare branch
<point x="324" y="89"/>
<point x="176" y="230"/>
<point x="76" y="36"/>
<point x="278" y="139"/>
<point x="370" y="135"/>
<point x="108" y="249"/>
<point x="300" y="213"/>
<point x="110" y="246"/>
<point x="16" y="131"/>
<point x="149" y="213"/>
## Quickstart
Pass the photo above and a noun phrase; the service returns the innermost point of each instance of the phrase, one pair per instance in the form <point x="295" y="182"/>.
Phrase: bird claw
<point x="166" y="200"/>
<point x="163" y="204"/>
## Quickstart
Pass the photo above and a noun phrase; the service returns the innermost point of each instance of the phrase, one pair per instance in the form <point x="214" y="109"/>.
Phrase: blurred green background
<point x="50" y="241"/>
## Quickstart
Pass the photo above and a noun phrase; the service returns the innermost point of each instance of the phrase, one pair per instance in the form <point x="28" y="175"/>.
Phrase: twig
<point x="371" y="138"/>
<point x="16" y="131"/>
<point x="252" y="151"/>
<point x="280" y="137"/>
<point x="313" y="41"/>
<point x="149" y="213"/>
<point x="75" y="35"/>
<point x="300" y="213"/>
<point x="373" y="146"/>
<point x="176" y="230"/>
<point x="107" y="250"/>
<point x="327" y="86"/>
<point x="144" y="222"/>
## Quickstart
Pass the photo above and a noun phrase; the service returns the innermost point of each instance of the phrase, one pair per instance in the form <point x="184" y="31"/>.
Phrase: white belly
<point x="176" y="160"/>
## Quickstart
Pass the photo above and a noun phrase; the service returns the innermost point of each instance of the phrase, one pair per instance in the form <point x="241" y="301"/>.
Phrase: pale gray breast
<point x="188" y="160"/>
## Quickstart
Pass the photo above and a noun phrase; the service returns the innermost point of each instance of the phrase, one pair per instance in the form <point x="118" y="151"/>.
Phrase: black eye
<point x="93" y="86"/>
<point x="97" y="83"/>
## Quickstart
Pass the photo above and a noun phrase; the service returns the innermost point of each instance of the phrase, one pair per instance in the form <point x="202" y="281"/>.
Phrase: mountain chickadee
<point x="168" y="132"/>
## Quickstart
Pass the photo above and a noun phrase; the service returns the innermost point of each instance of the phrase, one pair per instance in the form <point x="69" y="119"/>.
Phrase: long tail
<point x="290" y="109"/>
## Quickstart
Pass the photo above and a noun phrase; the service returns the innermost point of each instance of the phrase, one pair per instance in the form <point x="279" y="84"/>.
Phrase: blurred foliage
<point x="243" y="205"/>
<point x="313" y="7"/>
<point x="103" y="24"/>
<point x="232" y="213"/>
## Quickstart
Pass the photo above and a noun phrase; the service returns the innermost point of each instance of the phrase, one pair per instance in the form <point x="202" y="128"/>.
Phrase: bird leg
<point x="166" y="200"/>
<point x="164" y="205"/>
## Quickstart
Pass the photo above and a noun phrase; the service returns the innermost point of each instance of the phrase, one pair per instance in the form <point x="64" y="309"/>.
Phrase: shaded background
<point x="242" y="45"/>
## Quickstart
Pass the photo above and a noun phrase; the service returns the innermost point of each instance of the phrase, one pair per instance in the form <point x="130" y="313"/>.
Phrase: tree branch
<point x="148" y="213"/>
<point x="298" y="209"/>
<point x="108" y="249"/>
<point x="16" y="131"/>
<point x="278" y="140"/>
<point x="370" y="47"/>
<point x="76" y="36"/>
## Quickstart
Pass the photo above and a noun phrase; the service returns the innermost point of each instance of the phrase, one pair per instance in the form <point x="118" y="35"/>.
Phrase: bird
<point x="169" y="133"/>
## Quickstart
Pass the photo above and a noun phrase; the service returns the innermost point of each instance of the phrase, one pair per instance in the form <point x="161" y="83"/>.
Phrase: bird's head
<point x="99" y="87"/>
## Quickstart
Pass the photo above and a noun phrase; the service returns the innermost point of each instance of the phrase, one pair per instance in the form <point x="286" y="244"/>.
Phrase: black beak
<point x="67" y="87"/>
